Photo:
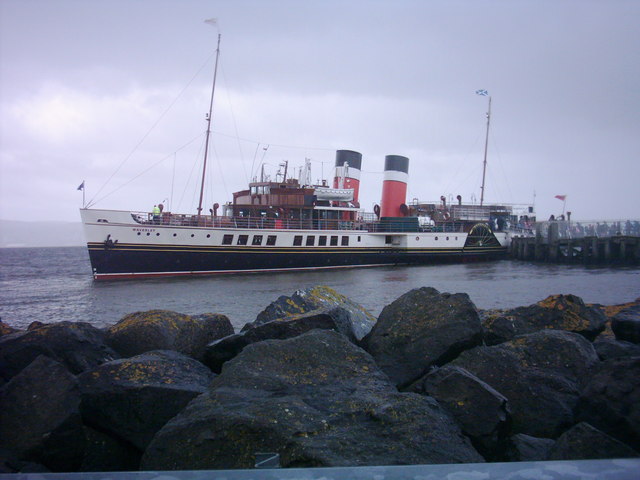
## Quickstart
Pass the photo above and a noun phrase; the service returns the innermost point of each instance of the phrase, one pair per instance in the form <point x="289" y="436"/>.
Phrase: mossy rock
<point x="317" y="298"/>
<point x="142" y="332"/>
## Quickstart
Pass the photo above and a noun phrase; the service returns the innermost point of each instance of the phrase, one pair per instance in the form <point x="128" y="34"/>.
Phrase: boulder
<point x="316" y="400"/>
<point x="540" y="374"/>
<point x="142" y="332"/>
<point x="6" y="329"/>
<point x="609" y="348"/>
<point x="220" y="351"/>
<point x="133" y="398"/>
<point x="557" y="312"/>
<point x="585" y="442"/>
<point x="611" y="311"/>
<point x="104" y="453"/>
<point x="78" y="346"/>
<point x="611" y="400"/>
<point x="525" y="448"/>
<point x="359" y="320"/>
<point x="481" y="411"/>
<point x="9" y="463"/>
<point x="626" y="324"/>
<point x="39" y="416"/>
<point x="420" y="329"/>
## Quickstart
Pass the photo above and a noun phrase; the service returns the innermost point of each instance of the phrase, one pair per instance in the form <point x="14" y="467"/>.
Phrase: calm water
<point x="55" y="284"/>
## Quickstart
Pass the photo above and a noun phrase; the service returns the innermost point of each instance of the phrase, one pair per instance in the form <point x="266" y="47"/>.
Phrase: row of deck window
<point x="271" y="240"/>
<point x="297" y="240"/>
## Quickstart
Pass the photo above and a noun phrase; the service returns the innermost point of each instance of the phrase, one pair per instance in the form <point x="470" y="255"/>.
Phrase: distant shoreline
<point x="21" y="234"/>
<point x="40" y="246"/>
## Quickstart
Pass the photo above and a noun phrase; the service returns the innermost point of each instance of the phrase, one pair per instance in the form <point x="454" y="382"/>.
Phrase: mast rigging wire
<point x="144" y="171"/>
<point x="93" y="201"/>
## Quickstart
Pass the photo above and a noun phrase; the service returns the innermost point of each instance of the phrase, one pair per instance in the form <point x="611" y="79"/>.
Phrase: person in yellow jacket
<point x="156" y="214"/>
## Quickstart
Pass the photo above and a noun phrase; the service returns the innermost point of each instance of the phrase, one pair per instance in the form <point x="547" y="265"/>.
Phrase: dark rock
<point x="540" y="374"/>
<point x="584" y="442"/>
<point x="611" y="311"/>
<point x="104" y="453"/>
<point x="222" y="350"/>
<point x="557" y="312"/>
<point x="9" y="463"/>
<point x="359" y="320"/>
<point x="499" y="326"/>
<point x="609" y="348"/>
<point x="78" y="346"/>
<point x="525" y="448"/>
<point x="482" y="412"/>
<point x="626" y="324"/>
<point x="133" y="398"/>
<point x="142" y="332"/>
<point x="420" y="329"/>
<point x="39" y="416"/>
<point x="6" y="329"/>
<point x="611" y="400"/>
<point x="316" y="400"/>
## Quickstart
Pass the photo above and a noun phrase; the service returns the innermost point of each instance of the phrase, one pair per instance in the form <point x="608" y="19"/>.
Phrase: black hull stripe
<point x="99" y="247"/>
<point x="154" y="261"/>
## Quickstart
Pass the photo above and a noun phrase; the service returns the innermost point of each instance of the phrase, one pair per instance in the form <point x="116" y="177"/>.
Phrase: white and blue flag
<point x="484" y="93"/>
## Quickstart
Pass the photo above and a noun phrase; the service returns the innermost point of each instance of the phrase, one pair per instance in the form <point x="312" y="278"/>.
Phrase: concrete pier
<point x="555" y="242"/>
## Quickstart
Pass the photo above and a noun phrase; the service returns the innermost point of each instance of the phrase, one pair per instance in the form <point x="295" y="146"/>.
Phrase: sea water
<point x="55" y="284"/>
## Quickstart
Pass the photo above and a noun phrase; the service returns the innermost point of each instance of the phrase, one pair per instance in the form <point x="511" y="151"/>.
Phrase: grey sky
<point x="82" y="82"/>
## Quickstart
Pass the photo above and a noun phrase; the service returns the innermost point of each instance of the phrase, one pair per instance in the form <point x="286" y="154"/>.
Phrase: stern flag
<point x="561" y="197"/>
<point x="81" y="186"/>
<point x="484" y="93"/>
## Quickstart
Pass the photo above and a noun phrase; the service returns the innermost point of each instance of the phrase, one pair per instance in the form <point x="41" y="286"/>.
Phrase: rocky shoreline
<point x="319" y="381"/>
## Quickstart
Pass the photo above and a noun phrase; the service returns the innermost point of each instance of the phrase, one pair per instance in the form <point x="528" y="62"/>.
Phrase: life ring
<point x="446" y="216"/>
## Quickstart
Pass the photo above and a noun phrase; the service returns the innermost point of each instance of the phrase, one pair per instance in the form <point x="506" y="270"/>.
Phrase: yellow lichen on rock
<point x="151" y="318"/>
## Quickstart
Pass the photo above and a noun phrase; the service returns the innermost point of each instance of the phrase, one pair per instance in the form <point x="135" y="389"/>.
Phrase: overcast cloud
<point x="117" y="91"/>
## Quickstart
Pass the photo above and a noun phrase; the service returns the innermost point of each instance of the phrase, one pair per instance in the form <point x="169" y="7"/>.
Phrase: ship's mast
<point x="486" y="144"/>
<point x="206" y="145"/>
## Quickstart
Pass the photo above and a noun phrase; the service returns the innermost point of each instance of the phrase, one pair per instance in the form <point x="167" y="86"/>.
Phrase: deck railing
<point x="367" y="223"/>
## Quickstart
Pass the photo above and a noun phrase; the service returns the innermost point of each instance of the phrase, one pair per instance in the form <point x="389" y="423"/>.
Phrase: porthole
<point x="447" y="238"/>
<point x="138" y="233"/>
<point x="417" y="239"/>
<point x="148" y="234"/>
<point x="192" y="235"/>
<point x="436" y="238"/>
<point x="158" y="234"/>
<point x="175" y="234"/>
<point x="208" y="235"/>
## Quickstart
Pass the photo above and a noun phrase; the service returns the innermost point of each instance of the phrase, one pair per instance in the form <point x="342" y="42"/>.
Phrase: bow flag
<point x="81" y="186"/>
<point x="561" y="197"/>
<point x="484" y="93"/>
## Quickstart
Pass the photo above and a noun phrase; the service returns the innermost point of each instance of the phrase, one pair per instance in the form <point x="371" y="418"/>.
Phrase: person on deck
<point x="156" y="214"/>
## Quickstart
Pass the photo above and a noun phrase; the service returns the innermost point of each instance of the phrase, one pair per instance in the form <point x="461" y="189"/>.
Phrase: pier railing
<point x="593" y="242"/>
<point x="588" y="228"/>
